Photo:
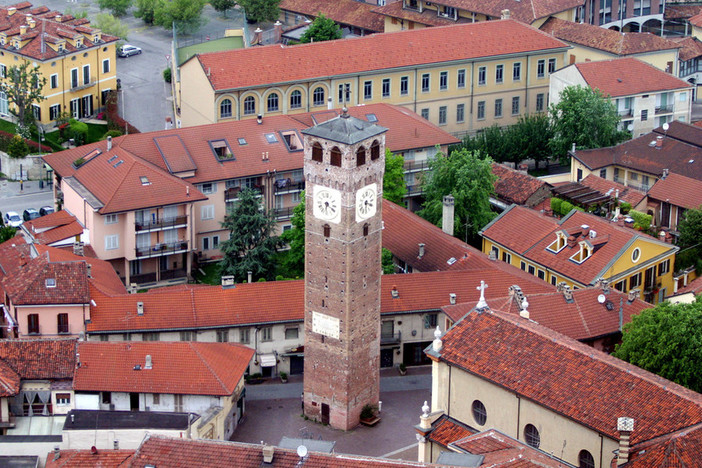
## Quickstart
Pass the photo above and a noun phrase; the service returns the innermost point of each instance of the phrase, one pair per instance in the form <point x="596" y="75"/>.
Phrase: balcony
<point x="79" y="86"/>
<point x="390" y="338"/>
<point x="416" y="166"/>
<point x="158" y="224"/>
<point x="160" y="250"/>
<point x="626" y="113"/>
<point x="282" y="214"/>
<point x="232" y="194"/>
<point x="664" y="109"/>
<point x="284" y="186"/>
<point x="414" y="190"/>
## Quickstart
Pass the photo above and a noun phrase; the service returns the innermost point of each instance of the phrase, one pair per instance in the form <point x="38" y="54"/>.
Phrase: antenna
<point x="302" y="451"/>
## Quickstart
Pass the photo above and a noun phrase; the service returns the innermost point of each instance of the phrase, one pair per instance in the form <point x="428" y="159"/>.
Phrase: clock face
<point x="366" y="202"/>
<point x="326" y="204"/>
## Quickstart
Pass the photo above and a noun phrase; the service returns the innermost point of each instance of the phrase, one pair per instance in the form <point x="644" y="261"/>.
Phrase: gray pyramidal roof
<point x="345" y="129"/>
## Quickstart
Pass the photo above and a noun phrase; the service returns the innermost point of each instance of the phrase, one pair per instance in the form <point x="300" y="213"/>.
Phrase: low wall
<point x="32" y="167"/>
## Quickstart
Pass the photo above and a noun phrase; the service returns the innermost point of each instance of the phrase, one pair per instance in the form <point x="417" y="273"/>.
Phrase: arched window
<point x="318" y="96"/>
<point x="375" y="150"/>
<point x="479" y="412"/>
<point x="296" y="100"/>
<point x="360" y="156"/>
<point x="327" y="230"/>
<point x="335" y="157"/>
<point x="225" y="108"/>
<point x="531" y="436"/>
<point x="317" y="153"/>
<point x="249" y="105"/>
<point x="272" y="102"/>
<point x="585" y="460"/>
<point x="366" y="227"/>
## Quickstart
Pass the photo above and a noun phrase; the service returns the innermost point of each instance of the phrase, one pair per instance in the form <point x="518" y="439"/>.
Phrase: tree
<point x="117" y="7"/>
<point x="468" y="177"/>
<point x="386" y="262"/>
<point x="294" y="261"/>
<point x="145" y="10"/>
<point x="7" y="233"/>
<point x="394" y="186"/>
<point x="321" y="29"/>
<point x="258" y="11"/>
<point x="250" y="246"/>
<point x="666" y="340"/>
<point x="111" y="25"/>
<point x="184" y="14"/>
<point x="585" y="117"/>
<point x="690" y="241"/>
<point x="23" y="87"/>
<point x="17" y="148"/>
<point x="530" y="138"/>
<point x="222" y="5"/>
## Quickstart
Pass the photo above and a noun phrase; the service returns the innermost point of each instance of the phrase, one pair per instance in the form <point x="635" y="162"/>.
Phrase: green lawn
<point x="211" y="275"/>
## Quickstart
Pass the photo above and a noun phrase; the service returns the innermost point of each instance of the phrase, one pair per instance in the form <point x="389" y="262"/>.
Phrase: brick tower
<point x="344" y="166"/>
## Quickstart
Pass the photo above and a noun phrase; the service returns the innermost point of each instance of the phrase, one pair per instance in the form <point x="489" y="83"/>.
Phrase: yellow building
<point x="580" y="249"/>
<point x="462" y="78"/>
<point x="77" y="61"/>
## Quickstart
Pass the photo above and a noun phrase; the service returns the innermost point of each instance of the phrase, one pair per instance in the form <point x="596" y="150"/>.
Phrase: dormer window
<point x="558" y="245"/>
<point x="583" y="253"/>
<point x="292" y="140"/>
<point x="221" y="149"/>
<point x="50" y="282"/>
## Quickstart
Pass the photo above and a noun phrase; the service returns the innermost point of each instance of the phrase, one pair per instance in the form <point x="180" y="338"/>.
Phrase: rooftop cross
<point x="482" y="304"/>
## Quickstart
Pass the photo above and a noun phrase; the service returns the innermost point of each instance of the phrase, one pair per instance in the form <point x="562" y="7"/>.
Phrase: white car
<point x="126" y="50"/>
<point x="13" y="219"/>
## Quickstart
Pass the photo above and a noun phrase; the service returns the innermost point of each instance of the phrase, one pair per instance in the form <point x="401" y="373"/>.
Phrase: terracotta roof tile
<point x="373" y="52"/>
<point x="427" y="17"/>
<point x="678" y="190"/>
<point x="40" y="359"/>
<point x="585" y="385"/>
<point x="679" y="449"/>
<point x="694" y="287"/>
<point x="627" y="76"/>
<point x="626" y="194"/>
<point x="54" y="227"/>
<point x="9" y="380"/>
<point x="187" y="368"/>
<point x="501" y="451"/>
<point x="691" y="47"/>
<point x="514" y="186"/>
<point x="696" y="20"/>
<point x="447" y="430"/>
<point x="681" y="11"/>
<point x="87" y="459"/>
<point x="345" y="12"/>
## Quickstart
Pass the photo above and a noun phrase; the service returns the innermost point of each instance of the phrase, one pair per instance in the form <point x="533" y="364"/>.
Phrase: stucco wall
<point x="32" y="167"/>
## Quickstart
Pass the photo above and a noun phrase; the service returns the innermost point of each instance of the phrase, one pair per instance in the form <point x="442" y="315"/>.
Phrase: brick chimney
<point x="268" y="452"/>
<point x="278" y="31"/>
<point x="659" y="142"/>
<point x="625" y="426"/>
<point x="567" y="294"/>
<point x="585" y="230"/>
<point x="571" y="241"/>
<point x="448" y="215"/>
<point x="421" y="250"/>
<point x="633" y="295"/>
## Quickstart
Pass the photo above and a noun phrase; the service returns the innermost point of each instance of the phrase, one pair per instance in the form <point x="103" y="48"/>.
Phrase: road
<point x="12" y="199"/>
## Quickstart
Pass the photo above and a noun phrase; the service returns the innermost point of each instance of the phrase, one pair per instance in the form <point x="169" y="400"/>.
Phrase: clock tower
<point x="344" y="166"/>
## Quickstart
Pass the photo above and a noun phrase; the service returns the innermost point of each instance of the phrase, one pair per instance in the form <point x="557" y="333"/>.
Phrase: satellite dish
<point x="302" y="451"/>
<point x="630" y="127"/>
<point x="601" y="298"/>
<point x="666" y="126"/>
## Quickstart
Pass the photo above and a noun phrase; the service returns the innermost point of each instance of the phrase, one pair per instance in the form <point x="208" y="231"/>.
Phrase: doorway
<point x="325" y="413"/>
<point x="134" y="402"/>
<point x="386" y="359"/>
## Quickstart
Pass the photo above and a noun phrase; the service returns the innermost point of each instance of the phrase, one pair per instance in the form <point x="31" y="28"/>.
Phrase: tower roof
<point x="345" y="129"/>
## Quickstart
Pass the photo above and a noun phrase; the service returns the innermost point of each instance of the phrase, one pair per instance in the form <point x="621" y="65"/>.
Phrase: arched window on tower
<point x="375" y="150"/>
<point x="335" y="157"/>
<point x="317" y="152"/>
<point x="361" y="156"/>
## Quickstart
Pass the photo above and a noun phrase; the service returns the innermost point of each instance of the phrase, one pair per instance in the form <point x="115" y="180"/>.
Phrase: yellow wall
<point x="659" y="59"/>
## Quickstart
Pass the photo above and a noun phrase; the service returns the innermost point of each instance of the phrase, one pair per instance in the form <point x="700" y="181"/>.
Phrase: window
<point x="425" y="114"/>
<point x="603" y="173"/>
<point x="425" y="83"/>
<point x="443" y="80"/>
<point x="460" y="113"/>
<point x="531" y="269"/>
<point x="104" y="337"/>
<point x="296" y="100"/>
<point x="585" y="460"/>
<point x="272" y="102"/>
<point x="541" y="274"/>
<point x="291" y="333"/>
<point x="178" y="403"/>
<point x="663" y="267"/>
<point x="344" y="92"/>
<point x="205" y="243"/>
<point x="522" y="265"/>
<point x="498" y="107"/>
<point x="541" y="68"/>
<point x="479" y="412"/>
<point x="318" y="96"/>
<point x="36" y="112"/>
<point x="317" y="152"/>
<point x="442" y="115"/>
<point x="244" y="335"/>
<point x="481" y="110"/>
<point x="215" y="242"/>
<point x="74" y="78"/>
<point x="106" y="398"/>
<point x="208" y="188"/>
<point x="188" y="336"/>
<point x="222" y="336"/>
<point x="249" y="106"/>
<point x="620" y="286"/>
<point x="106" y="66"/>
<point x="404" y="86"/>
<point x="360" y="156"/>
<point x="531" y="436"/>
<point x="33" y="324"/>
<point x="335" y="157"/>
<point x="515" y="105"/>
<point x="482" y="75"/>
<point x="221" y="150"/>
<point x="3" y="68"/>
<point x="54" y="81"/>
<point x="327" y="230"/>
<point x="636" y="255"/>
<point x="540" y="102"/>
<point x="150" y="336"/>
<point x="386" y="87"/>
<point x="375" y="150"/>
<point x="63" y="399"/>
<point x="517" y="71"/>
<point x="156" y="399"/>
<point x="62" y="323"/>
<point x="461" y="79"/>
<point x="635" y="281"/>
<point x="368" y="90"/>
<point x="112" y="242"/>
<point x="551" y="65"/>
<point x="554" y="280"/>
<point x="225" y="108"/>
<point x="644" y="115"/>
<point x="506" y="257"/>
<point x="499" y="73"/>
<point x="54" y="112"/>
<point x="431" y="320"/>
<point x="267" y="334"/>
<point x="207" y="212"/>
<point x="86" y="74"/>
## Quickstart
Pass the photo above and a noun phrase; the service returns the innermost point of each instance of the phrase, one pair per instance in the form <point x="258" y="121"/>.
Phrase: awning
<point x="268" y="360"/>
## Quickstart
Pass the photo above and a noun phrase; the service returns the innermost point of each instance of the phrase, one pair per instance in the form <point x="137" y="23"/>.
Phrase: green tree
<point x="184" y="14"/>
<point x="293" y="262"/>
<point x="23" y="85"/>
<point x="394" y="187"/>
<point x="17" y="148"/>
<point x="250" y="246"/>
<point x="222" y="5"/>
<point x="145" y="10"/>
<point x="666" y="340"/>
<point x="690" y="241"/>
<point x="468" y="177"/>
<point x="117" y="7"/>
<point x="321" y="29"/>
<point x="258" y="11"/>
<point x="109" y="24"/>
<point x="530" y="138"/>
<point x="386" y="262"/>
<point x="585" y="117"/>
<point x="7" y="233"/>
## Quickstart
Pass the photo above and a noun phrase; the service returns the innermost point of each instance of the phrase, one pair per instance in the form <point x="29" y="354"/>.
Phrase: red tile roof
<point x="446" y="430"/>
<point x="694" y="287"/>
<point x="628" y="76"/>
<point x="675" y="11"/>
<point x="9" y="380"/>
<point x="501" y="451"/>
<point x="54" y="227"/>
<point x="606" y="40"/>
<point x="696" y="20"/>
<point x="344" y="12"/>
<point x="187" y="368"/>
<point x="87" y="459"/>
<point x="678" y="190"/>
<point x="515" y="186"/>
<point x="242" y="68"/>
<point x="691" y="47"/>
<point x="585" y="385"/>
<point x="427" y="17"/>
<point x="679" y="449"/>
<point x="604" y="186"/>
<point x="40" y="359"/>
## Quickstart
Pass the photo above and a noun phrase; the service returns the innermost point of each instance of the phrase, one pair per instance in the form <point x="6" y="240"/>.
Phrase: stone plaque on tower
<point x="344" y="166"/>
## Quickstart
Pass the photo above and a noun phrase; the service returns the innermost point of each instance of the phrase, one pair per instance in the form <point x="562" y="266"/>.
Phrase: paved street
<point x="12" y="199"/>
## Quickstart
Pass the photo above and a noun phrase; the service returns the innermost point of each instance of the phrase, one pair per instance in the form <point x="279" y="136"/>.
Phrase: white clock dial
<point x="326" y="204"/>
<point x="366" y="202"/>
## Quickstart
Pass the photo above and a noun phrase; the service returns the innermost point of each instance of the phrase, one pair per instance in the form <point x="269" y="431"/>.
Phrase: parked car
<point x="13" y="219"/>
<point x="126" y="50"/>
<point x="45" y="210"/>
<point x="30" y="214"/>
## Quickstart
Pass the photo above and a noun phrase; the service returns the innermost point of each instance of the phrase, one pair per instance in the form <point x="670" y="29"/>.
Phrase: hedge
<point x="641" y="220"/>
<point x="32" y="144"/>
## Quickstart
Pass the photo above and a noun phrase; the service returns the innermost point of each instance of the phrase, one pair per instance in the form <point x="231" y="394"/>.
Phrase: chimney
<point x="250" y="276"/>
<point x="258" y="37"/>
<point x="504" y="14"/>
<point x="268" y="452"/>
<point x="259" y="119"/>
<point x="625" y="426"/>
<point x="452" y="298"/>
<point x="57" y="453"/>
<point x="561" y="286"/>
<point x="115" y="444"/>
<point x="11" y="11"/>
<point x="604" y="284"/>
<point x="330" y="103"/>
<point x="90" y="270"/>
<point x="228" y="282"/>
<point x="524" y="312"/>
<point x="394" y="292"/>
<point x="23" y="29"/>
<point x="659" y="142"/>
<point x="567" y="294"/>
<point x="585" y="230"/>
<point x="57" y="18"/>
<point x="665" y="173"/>
<point x="421" y="250"/>
<point x="109" y="143"/>
<point x="633" y="295"/>
<point x="32" y="24"/>
<point x="437" y="344"/>
<point x="140" y="308"/>
<point x="448" y="214"/>
<point x="147" y="362"/>
<point x="132" y="288"/>
<point x="277" y="31"/>
<point x="571" y="241"/>
<point x="78" y="248"/>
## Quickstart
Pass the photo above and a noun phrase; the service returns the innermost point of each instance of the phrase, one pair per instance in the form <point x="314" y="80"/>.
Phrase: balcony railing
<point x="626" y="113"/>
<point x="172" y="274"/>
<point x="143" y="278"/>
<point x="414" y="190"/>
<point x="416" y="166"/>
<point x="390" y="338"/>
<point x="664" y="109"/>
<point x="159" y="250"/>
<point x="283" y="213"/>
<point x="232" y="194"/>
<point x="283" y="186"/>
<point x="153" y="224"/>
<point x="80" y="85"/>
